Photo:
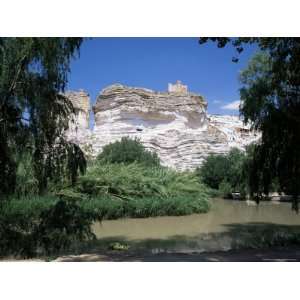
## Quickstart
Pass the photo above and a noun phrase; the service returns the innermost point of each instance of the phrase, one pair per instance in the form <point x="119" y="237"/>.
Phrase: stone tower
<point x="177" y="88"/>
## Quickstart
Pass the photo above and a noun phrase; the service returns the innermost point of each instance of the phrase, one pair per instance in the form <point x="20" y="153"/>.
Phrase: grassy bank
<point x="124" y="181"/>
<point x="46" y="225"/>
<point x="111" y="191"/>
<point x="133" y="190"/>
<point x="42" y="225"/>
<point x="114" y="208"/>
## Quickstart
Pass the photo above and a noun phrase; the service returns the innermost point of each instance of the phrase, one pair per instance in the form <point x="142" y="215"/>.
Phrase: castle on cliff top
<point x="175" y="124"/>
<point x="178" y="88"/>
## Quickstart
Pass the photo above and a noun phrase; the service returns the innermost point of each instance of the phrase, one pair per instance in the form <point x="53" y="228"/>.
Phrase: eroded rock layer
<point x="174" y="124"/>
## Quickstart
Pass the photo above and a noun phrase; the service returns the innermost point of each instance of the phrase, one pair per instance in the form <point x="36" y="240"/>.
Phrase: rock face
<point x="81" y="103"/>
<point x="79" y="126"/>
<point x="174" y="124"/>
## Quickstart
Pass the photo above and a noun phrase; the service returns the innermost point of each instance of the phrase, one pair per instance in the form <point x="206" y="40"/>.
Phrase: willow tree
<point x="33" y="111"/>
<point x="271" y="102"/>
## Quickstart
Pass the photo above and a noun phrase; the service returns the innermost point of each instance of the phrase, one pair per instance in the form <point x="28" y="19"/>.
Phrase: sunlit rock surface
<point x="79" y="126"/>
<point x="175" y="124"/>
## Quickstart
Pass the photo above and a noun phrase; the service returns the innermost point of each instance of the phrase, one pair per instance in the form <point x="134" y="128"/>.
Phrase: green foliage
<point x="42" y="225"/>
<point x="128" y="151"/>
<point x="276" y="113"/>
<point x="33" y="111"/>
<point x="271" y="102"/>
<point x="235" y="175"/>
<point x="62" y="225"/>
<point x="133" y="190"/>
<point x="225" y="172"/>
<point x="214" y="170"/>
<point x="213" y="193"/>
<point x="114" y="207"/>
<point x="136" y="180"/>
<point x="46" y="225"/>
<point x="26" y="182"/>
<point x="225" y="189"/>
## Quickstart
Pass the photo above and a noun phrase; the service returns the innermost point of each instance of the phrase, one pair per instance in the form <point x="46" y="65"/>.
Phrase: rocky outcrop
<point x="79" y="126"/>
<point x="175" y="124"/>
<point x="238" y="134"/>
<point x="81" y="104"/>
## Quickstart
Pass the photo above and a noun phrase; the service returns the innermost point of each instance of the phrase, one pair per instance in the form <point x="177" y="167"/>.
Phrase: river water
<point x="228" y="223"/>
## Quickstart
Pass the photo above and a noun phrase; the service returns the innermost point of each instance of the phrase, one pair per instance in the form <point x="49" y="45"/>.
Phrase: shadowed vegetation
<point x="34" y="113"/>
<point x="34" y="154"/>
<point x="35" y="225"/>
<point x="226" y="173"/>
<point x="270" y="97"/>
<point x="42" y="225"/>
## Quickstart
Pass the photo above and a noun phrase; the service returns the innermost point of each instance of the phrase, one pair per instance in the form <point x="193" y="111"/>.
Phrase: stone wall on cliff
<point x="175" y="124"/>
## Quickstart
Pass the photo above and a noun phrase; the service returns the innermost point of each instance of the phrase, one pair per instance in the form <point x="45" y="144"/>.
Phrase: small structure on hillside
<point x="177" y="88"/>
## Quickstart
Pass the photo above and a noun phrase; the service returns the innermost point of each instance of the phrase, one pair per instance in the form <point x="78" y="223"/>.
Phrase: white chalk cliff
<point x="175" y="124"/>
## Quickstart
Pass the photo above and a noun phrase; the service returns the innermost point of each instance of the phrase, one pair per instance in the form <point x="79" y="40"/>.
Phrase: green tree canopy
<point x="128" y="151"/>
<point x="219" y="168"/>
<point x="33" y="111"/>
<point x="271" y="102"/>
<point x="214" y="170"/>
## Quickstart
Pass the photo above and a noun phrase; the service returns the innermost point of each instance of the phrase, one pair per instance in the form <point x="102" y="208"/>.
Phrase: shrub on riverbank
<point x="126" y="180"/>
<point x="225" y="173"/>
<point x="126" y="171"/>
<point x="42" y="225"/>
<point x="114" y="207"/>
<point x="120" y="190"/>
<point x="128" y="151"/>
<point x="47" y="225"/>
<point x="136" y="180"/>
<point x="130" y="184"/>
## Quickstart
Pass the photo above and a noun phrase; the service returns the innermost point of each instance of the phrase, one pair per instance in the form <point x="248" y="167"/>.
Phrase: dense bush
<point x="214" y="170"/>
<point x="133" y="190"/>
<point x="48" y="225"/>
<point x="114" y="207"/>
<point x="225" y="189"/>
<point x="132" y="185"/>
<point x="65" y="172"/>
<point x="225" y="172"/>
<point x="42" y="225"/>
<point x="128" y="151"/>
<point x="26" y="182"/>
<point x="135" y="180"/>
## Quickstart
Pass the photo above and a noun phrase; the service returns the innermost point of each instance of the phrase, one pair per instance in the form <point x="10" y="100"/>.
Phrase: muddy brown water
<point x="225" y="225"/>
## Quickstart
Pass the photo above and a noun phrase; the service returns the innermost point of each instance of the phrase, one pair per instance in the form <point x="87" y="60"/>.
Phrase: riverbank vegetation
<point x="270" y="103"/>
<point x="50" y="194"/>
<point x="42" y="225"/>
<point x="231" y="173"/>
<point x="131" y="184"/>
<point x="137" y="191"/>
<point x="142" y="179"/>
<point x="226" y="173"/>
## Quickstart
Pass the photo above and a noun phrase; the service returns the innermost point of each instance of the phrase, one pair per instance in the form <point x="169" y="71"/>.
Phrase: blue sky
<point x="154" y="62"/>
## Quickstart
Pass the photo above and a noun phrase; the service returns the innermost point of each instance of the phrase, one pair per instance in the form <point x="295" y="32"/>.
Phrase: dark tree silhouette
<point x="33" y="111"/>
<point x="271" y="102"/>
